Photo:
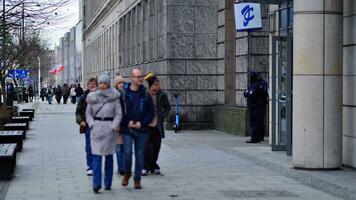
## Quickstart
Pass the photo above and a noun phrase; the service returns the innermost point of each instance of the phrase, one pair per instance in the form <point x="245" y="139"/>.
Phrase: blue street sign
<point x="248" y="16"/>
<point x="17" y="73"/>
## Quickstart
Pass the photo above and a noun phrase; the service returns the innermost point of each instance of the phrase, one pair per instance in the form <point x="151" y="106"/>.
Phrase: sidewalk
<point x="196" y="165"/>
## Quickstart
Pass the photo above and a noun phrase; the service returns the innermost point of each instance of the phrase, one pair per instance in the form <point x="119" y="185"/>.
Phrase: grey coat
<point x="103" y="134"/>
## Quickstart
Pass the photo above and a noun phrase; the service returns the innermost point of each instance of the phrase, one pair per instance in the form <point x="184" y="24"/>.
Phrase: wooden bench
<point x="16" y="127"/>
<point x="31" y="114"/>
<point x="7" y="137"/>
<point x="7" y="160"/>
<point x="29" y="109"/>
<point x="23" y="119"/>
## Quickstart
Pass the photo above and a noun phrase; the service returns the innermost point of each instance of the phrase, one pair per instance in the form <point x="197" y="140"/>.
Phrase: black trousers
<point x="153" y="147"/>
<point x="65" y="99"/>
<point x="257" y="124"/>
<point x="58" y="99"/>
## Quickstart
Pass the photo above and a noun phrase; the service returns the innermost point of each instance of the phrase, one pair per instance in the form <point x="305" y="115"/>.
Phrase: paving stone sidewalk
<point x="195" y="164"/>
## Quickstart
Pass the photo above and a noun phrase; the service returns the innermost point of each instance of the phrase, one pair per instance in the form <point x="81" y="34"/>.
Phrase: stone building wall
<point x="174" y="39"/>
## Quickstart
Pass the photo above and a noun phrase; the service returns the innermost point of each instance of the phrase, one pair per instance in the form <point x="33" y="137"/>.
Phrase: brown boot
<point x="138" y="185"/>
<point x="125" y="180"/>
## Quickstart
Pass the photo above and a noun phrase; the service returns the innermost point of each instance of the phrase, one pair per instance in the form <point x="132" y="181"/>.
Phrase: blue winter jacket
<point x="138" y="109"/>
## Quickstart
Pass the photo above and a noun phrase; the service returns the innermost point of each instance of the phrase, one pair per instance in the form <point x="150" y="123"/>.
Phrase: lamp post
<point x="39" y="75"/>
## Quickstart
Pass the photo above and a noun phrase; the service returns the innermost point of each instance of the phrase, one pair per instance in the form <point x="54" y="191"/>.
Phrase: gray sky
<point x="56" y="31"/>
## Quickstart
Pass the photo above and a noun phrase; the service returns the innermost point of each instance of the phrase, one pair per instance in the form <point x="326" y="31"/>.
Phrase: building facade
<point x="69" y="54"/>
<point x="306" y="50"/>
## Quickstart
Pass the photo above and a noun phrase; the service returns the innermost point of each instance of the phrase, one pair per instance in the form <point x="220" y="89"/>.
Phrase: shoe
<point x="125" y="180"/>
<point x="252" y="141"/>
<point x="137" y="185"/>
<point x="156" y="171"/>
<point x="145" y="172"/>
<point x="89" y="172"/>
<point x="107" y="188"/>
<point x="96" y="190"/>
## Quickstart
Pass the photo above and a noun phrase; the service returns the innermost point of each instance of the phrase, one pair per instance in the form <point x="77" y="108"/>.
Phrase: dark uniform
<point x="257" y="100"/>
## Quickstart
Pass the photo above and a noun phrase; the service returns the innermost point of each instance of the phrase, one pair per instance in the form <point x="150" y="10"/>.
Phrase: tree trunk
<point x="17" y="91"/>
<point x="3" y="88"/>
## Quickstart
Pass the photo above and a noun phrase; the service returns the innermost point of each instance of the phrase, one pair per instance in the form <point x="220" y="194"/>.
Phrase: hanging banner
<point x="248" y="16"/>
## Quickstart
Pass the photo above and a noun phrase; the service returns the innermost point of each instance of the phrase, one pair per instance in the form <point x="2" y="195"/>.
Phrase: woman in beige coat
<point x="103" y="116"/>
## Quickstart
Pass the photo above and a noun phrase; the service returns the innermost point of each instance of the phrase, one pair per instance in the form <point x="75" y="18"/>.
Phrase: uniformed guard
<point x="257" y="100"/>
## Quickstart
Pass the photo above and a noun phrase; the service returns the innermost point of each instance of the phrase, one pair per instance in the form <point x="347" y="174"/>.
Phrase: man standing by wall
<point x="257" y="100"/>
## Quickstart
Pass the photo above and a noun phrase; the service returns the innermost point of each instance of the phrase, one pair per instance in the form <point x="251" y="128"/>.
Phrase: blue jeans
<point x="120" y="157"/>
<point x="139" y="138"/>
<point x="49" y="98"/>
<point x="109" y="170"/>
<point x="89" y="155"/>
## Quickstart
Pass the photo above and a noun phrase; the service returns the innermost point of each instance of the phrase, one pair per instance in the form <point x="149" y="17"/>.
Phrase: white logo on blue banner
<point x="248" y="16"/>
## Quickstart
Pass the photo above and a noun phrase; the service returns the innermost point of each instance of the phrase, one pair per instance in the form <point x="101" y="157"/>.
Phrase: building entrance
<point x="282" y="93"/>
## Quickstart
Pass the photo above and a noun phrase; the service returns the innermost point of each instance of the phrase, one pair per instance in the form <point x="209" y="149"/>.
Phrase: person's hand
<point x="137" y="125"/>
<point x="83" y="124"/>
<point x="153" y="124"/>
<point x="131" y="124"/>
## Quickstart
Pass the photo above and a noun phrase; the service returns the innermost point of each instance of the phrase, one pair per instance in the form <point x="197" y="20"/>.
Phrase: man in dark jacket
<point x="65" y="93"/>
<point x="30" y="93"/>
<point x="156" y="127"/>
<point x="58" y="94"/>
<point x="139" y="114"/>
<point x="81" y="120"/>
<point x="79" y="92"/>
<point x="257" y="100"/>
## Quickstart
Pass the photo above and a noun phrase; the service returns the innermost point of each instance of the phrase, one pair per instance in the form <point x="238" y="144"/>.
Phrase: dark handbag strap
<point x="99" y="109"/>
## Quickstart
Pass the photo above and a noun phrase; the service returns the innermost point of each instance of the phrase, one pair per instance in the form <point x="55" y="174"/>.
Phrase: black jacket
<point x="163" y="109"/>
<point x="257" y="95"/>
<point x="81" y="108"/>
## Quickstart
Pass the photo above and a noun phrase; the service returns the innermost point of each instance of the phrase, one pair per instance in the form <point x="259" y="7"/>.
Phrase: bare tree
<point x="21" y="23"/>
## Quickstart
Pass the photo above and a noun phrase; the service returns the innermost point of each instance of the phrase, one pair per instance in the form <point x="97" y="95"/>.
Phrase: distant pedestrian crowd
<point x="74" y="92"/>
<point x="122" y="119"/>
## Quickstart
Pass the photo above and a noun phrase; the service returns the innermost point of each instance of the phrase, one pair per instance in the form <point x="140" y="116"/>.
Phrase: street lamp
<point x="39" y="75"/>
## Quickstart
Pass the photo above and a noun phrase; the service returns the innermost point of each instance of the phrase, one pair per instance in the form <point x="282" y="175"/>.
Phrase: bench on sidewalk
<point x="7" y="160"/>
<point x="29" y="109"/>
<point x="23" y="119"/>
<point x="31" y="114"/>
<point x="16" y="127"/>
<point x="17" y="137"/>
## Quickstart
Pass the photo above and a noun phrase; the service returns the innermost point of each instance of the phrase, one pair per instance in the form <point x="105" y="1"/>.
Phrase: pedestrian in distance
<point x="30" y="93"/>
<point x="78" y="92"/>
<point x="58" y="94"/>
<point x="43" y="94"/>
<point x="25" y="94"/>
<point x="65" y="93"/>
<point x="140" y="112"/>
<point x="103" y="116"/>
<point x="73" y="95"/>
<point x="257" y="100"/>
<point x="49" y="94"/>
<point x="119" y="83"/>
<point x="81" y="120"/>
<point x="156" y="127"/>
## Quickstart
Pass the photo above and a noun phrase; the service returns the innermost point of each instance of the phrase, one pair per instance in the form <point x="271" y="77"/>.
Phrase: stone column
<point x="317" y="84"/>
<point x="349" y="96"/>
